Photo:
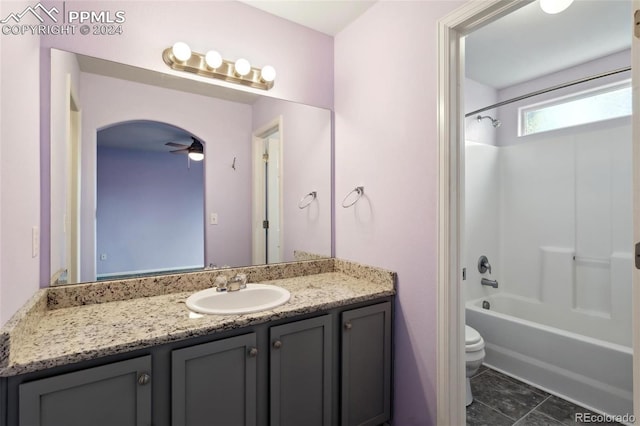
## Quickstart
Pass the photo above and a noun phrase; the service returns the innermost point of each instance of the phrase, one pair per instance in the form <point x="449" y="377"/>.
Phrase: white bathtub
<point x="583" y="368"/>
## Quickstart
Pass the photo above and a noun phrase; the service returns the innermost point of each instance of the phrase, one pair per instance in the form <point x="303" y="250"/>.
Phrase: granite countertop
<point x="74" y="323"/>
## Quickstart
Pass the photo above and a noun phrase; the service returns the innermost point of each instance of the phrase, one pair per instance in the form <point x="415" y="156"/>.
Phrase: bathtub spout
<point x="490" y="283"/>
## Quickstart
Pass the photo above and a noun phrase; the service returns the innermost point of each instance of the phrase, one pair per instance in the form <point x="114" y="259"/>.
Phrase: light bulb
<point x="242" y="67"/>
<point x="196" y="156"/>
<point x="181" y="51"/>
<point x="213" y="59"/>
<point x="268" y="73"/>
<point x="554" y="6"/>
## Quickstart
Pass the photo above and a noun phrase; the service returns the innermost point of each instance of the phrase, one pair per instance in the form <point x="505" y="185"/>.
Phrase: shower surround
<point x="553" y="213"/>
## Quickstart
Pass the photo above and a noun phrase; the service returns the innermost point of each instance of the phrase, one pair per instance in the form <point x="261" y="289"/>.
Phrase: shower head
<point x="494" y="121"/>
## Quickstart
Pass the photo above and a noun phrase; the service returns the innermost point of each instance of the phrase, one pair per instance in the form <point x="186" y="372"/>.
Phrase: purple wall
<point x="150" y="213"/>
<point x="19" y="173"/>
<point x="386" y="140"/>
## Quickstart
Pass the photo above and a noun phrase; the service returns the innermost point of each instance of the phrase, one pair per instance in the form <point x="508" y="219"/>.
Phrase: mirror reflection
<point x="129" y="198"/>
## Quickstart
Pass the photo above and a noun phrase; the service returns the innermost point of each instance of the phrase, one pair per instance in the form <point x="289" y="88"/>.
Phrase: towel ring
<point x="358" y="190"/>
<point x="307" y="200"/>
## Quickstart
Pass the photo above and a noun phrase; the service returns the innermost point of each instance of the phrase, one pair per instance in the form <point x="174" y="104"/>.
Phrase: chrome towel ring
<point x="359" y="190"/>
<point x="307" y="200"/>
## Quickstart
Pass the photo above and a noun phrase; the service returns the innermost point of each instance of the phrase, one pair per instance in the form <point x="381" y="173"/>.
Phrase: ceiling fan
<point x="195" y="150"/>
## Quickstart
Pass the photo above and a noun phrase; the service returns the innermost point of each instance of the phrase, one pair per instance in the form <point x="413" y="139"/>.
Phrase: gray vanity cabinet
<point x="366" y="365"/>
<point x="320" y="369"/>
<point x="300" y="373"/>
<point x="215" y="380"/>
<point x="112" y="394"/>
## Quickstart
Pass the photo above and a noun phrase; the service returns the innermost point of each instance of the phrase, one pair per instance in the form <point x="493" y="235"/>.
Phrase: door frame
<point x="635" y="130"/>
<point x="450" y="381"/>
<point x="258" y="182"/>
<point x="450" y="353"/>
<point x="74" y="156"/>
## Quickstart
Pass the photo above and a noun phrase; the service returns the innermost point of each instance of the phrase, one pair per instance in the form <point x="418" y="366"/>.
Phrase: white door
<point x="267" y="194"/>
<point x="635" y="72"/>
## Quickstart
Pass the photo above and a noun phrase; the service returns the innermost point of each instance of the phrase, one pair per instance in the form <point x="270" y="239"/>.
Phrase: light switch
<point x="103" y="256"/>
<point x="213" y="220"/>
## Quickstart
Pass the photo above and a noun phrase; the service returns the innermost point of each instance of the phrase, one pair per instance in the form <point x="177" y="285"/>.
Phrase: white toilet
<point x="474" y="351"/>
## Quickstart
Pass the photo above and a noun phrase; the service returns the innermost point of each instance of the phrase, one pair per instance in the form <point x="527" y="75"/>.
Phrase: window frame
<point x="593" y="92"/>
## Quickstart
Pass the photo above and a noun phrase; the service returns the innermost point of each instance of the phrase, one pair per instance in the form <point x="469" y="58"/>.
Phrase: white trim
<point x="450" y="345"/>
<point x="177" y="270"/>
<point x="635" y="125"/>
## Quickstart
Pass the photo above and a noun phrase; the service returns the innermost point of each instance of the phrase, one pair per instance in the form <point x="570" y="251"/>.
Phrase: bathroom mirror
<point x="121" y="200"/>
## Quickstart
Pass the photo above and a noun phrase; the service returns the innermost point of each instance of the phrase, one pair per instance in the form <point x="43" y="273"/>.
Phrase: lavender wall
<point x="477" y="96"/>
<point x="386" y="140"/>
<point x="224" y="127"/>
<point x="150" y="212"/>
<point x="19" y="172"/>
<point x="306" y="151"/>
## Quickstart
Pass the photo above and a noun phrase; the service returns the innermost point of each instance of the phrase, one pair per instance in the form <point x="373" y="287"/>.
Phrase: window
<point x="599" y="104"/>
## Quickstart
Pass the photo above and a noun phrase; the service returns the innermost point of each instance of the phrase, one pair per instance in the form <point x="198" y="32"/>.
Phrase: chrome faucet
<point x="235" y="283"/>
<point x="490" y="283"/>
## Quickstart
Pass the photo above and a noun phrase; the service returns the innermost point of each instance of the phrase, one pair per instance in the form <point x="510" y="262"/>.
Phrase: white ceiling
<point x="529" y="43"/>
<point x="525" y="44"/>
<point x="326" y="16"/>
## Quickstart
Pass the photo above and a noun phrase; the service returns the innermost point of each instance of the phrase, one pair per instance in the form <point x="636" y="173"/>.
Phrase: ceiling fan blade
<point x="176" y="145"/>
<point x="180" y="151"/>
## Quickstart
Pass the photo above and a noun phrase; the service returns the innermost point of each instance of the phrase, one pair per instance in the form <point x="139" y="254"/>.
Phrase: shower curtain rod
<point x="549" y="89"/>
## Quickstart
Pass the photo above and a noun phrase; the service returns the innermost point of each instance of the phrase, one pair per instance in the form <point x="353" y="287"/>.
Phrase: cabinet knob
<point x="144" y="379"/>
<point x="277" y="344"/>
<point x="348" y="326"/>
<point x="253" y="352"/>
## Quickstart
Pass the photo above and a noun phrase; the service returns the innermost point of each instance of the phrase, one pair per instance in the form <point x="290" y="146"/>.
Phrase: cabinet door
<point x="215" y="383"/>
<point x="366" y="365"/>
<point x="113" y="394"/>
<point x="300" y="373"/>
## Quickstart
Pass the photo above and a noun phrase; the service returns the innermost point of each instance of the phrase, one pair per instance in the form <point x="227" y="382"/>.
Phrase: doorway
<point x="452" y="30"/>
<point x="150" y="200"/>
<point x="267" y="206"/>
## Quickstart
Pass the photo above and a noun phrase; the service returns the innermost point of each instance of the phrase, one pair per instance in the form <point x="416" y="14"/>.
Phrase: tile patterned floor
<point x="501" y="400"/>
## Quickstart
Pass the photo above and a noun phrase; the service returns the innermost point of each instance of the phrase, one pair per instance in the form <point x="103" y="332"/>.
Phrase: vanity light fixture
<point x="180" y="57"/>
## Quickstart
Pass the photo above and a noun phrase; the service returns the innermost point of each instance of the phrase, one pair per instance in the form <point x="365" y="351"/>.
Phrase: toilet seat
<point x="473" y="342"/>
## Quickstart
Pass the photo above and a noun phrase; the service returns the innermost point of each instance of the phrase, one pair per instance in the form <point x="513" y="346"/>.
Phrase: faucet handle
<point x="484" y="265"/>
<point x="243" y="280"/>
<point x="221" y="283"/>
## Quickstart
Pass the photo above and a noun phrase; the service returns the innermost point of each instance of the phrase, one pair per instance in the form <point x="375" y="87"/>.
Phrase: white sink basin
<point x="254" y="298"/>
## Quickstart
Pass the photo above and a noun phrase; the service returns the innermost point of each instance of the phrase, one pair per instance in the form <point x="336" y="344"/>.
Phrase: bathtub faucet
<point x="490" y="283"/>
